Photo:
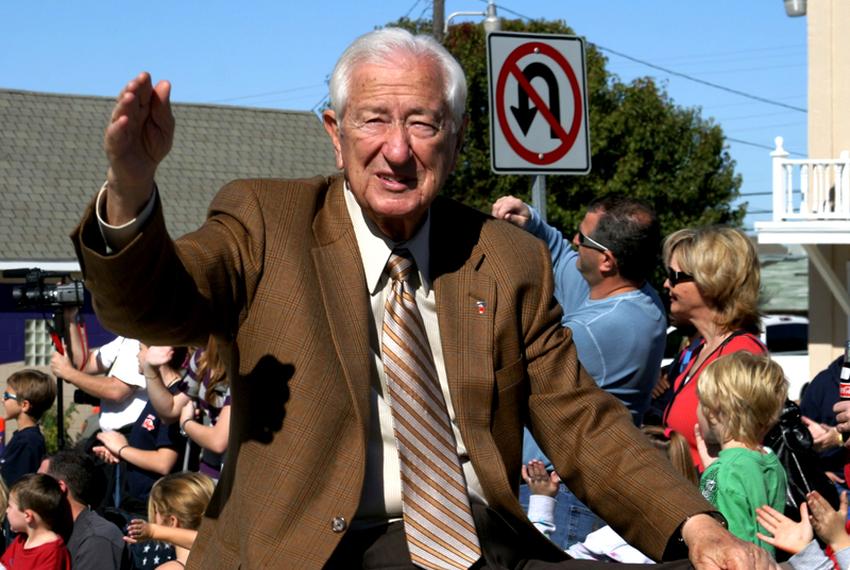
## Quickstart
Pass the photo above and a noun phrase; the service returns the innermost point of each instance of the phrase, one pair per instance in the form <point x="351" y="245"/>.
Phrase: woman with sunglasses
<point x="714" y="281"/>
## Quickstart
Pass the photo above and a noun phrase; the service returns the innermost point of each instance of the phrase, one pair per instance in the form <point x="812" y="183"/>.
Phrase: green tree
<point x="642" y="144"/>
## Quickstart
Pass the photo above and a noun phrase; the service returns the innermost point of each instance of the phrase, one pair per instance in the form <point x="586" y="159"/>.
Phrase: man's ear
<point x="329" y="121"/>
<point x="461" y="133"/>
<point x="608" y="265"/>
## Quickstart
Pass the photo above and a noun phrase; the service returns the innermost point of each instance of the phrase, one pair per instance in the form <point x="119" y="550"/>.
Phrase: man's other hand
<point x="712" y="547"/>
<point x="842" y="416"/>
<point x="511" y="209"/>
<point x="139" y="136"/>
<point x="60" y="365"/>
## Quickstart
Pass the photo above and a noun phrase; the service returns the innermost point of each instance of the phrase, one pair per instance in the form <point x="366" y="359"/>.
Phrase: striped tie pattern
<point x="437" y="517"/>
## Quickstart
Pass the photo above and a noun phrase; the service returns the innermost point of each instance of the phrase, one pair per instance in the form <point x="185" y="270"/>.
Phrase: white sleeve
<point x="107" y="353"/>
<point x="126" y="365"/>
<point x="541" y="513"/>
<point x="117" y="237"/>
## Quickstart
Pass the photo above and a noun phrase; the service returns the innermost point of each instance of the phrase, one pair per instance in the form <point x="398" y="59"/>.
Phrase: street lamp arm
<point x="456" y="14"/>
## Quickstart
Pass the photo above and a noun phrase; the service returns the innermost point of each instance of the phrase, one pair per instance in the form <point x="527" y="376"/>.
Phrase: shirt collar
<point x="375" y="248"/>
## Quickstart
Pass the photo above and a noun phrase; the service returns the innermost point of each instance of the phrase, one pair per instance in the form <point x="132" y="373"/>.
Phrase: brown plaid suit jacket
<point x="275" y="274"/>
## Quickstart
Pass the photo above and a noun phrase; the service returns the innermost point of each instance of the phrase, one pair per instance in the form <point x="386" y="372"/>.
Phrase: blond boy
<point x="741" y="396"/>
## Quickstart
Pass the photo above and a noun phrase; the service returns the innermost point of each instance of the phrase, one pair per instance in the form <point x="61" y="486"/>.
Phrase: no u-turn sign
<point x="538" y="104"/>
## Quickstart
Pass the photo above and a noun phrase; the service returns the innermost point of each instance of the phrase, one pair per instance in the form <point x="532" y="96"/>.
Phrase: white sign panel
<point x="538" y="104"/>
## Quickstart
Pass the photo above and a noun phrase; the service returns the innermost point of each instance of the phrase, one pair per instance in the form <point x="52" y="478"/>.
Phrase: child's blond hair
<point x="182" y="495"/>
<point x="745" y="392"/>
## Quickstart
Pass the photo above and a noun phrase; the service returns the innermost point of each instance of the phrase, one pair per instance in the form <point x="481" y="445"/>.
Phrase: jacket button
<point x="338" y="524"/>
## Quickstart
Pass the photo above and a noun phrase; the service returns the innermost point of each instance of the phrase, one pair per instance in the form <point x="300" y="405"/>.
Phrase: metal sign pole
<point x="538" y="195"/>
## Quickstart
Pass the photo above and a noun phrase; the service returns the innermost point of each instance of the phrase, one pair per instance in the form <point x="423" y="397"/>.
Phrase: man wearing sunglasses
<point x="616" y="317"/>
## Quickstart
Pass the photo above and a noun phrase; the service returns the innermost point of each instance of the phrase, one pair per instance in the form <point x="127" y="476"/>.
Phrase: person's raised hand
<point x="138" y="531"/>
<point x="159" y="355"/>
<point x="539" y="481"/>
<point x="712" y="547"/>
<point x="702" y="448"/>
<point x="842" y="417"/>
<point x="824" y="437"/>
<point x="60" y="365"/>
<point x="512" y="210"/>
<point x="828" y="523"/>
<point x="139" y="136"/>
<point x="785" y="534"/>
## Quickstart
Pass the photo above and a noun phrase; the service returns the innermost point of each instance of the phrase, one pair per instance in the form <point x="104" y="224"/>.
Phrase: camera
<point x="36" y="293"/>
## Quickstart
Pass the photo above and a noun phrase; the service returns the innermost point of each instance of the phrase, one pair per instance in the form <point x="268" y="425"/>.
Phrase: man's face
<point x="17" y="517"/>
<point x="396" y="142"/>
<point x="588" y="259"/>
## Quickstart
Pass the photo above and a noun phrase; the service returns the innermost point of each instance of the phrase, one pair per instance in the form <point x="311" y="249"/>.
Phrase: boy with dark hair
<point x="95" y="543"/>
<point x="38" y="510"/>
<point x="29" y="393"/>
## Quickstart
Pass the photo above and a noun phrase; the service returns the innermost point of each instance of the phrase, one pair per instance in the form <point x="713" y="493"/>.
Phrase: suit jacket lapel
<point x="340" y="273"/>
<point x="466" y="302"/>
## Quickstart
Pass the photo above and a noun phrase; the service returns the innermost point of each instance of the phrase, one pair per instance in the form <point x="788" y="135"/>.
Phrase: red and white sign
<point x="538" y="104"/>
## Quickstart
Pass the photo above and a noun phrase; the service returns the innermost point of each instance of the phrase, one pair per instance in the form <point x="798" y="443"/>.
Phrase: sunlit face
<point x="705" y="427"/>
<point x="395" y="142"/>
<point x="588" y="259"/>
<point x="11" y="403"/>
<point x="16" y="517"/>
<point x="685" y="298"/>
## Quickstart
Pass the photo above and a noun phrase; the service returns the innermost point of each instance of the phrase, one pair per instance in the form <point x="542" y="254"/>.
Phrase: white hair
<point x="379" y="47"/>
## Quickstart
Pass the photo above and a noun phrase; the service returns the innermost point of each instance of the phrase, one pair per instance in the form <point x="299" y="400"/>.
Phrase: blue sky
<point x="278" y="54"/>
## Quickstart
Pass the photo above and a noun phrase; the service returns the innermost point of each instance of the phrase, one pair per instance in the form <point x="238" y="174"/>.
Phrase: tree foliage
<point x="642" y="144"/>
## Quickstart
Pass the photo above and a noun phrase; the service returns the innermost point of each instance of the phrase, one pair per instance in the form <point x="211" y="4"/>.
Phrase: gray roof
<point x="52" y="163"/>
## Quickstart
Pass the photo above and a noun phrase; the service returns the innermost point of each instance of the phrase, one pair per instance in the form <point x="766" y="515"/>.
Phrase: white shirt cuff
<point x="117" y="237"/>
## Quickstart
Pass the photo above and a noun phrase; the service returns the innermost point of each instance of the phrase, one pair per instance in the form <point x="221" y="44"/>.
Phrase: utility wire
<point x="764" y="146"/>
<point x="701" y="81"/>
<point x="675" y="73"/>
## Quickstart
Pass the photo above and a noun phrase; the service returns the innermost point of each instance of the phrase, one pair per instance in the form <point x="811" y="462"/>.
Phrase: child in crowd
<point x="797" y="538"/>
<point x="29" y="393"/>
<point x="38" y="510"/>
<point x="175" y="508"/>
<point x="740" y="397"/>
<point x="604" y="543"/>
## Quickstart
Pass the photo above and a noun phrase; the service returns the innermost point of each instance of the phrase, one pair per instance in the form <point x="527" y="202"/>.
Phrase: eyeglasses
<point x="590" y="243"/>
<point x="8" y="396"/>
<point x="676" y="277"/>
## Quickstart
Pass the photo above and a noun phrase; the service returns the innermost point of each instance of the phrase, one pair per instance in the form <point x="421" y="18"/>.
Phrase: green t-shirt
<point x="738" y="482"/>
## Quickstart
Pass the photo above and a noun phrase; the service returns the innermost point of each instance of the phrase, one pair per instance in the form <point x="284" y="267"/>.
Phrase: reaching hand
<point x="138" y="531"/>
<point x="138" y="138"/>
<point x="712" y="547"/>
<point x="113" y="440"/>
<point x="159" y="355"/>
<point x="539" y="481"/>
<point x="842" y="417"/>
<point x="60" y="365"/>
<point x="787" y="534"/>
<point x="511" y="209"/>
<point x="828" y="523"/>
<point x="104" y="454"/>
<point x="704" y="455"/>
<point x="823" y="436"/>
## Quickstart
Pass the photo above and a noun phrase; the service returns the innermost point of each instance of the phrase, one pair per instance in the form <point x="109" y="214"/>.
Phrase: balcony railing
<point x="810" y="189"/>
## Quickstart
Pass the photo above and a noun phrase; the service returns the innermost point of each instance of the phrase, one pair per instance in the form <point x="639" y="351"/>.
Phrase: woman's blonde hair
<point x="675" y="446"/>
<point x="725" y="268"/>
<point x="182" y="495"/>
<point x="746" y="392"/>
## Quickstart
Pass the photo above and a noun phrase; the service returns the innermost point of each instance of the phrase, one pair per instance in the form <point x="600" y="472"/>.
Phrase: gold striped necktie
<point x="437" y="517"/>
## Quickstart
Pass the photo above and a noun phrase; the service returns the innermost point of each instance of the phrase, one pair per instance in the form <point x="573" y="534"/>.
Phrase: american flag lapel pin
<point x="481" y="306"/>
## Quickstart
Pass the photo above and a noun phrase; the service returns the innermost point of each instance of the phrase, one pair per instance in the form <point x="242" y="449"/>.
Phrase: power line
<point x="764" y="146"/>
<point x="701" y="81"/>
<point x="411" y="9"/>
<point x="302" y="88"/>
<point x="676" y="73"/>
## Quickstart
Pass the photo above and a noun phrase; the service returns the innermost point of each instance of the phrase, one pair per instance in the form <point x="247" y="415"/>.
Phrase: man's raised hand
<point x="139" y="136"/>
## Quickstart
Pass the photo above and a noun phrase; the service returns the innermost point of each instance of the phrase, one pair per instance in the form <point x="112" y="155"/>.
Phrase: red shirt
<point x="48" y="556"/>
<point x="681" y="413"/>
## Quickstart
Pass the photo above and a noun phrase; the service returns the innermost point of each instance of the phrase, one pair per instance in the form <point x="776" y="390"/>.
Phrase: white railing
<point x="810" y="189"/>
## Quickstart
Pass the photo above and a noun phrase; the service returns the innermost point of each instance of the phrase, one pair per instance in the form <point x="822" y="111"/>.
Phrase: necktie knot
<point x="400" y="265"/>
